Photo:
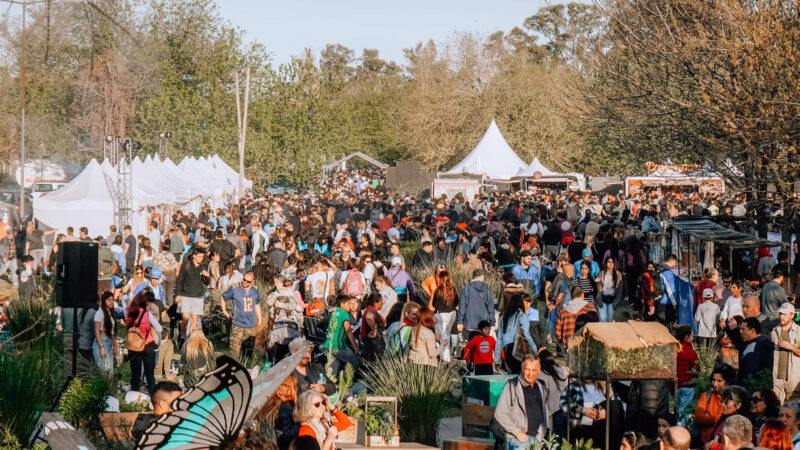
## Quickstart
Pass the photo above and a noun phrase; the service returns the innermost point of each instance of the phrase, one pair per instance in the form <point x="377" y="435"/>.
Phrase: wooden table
<point x="342" y="446"/>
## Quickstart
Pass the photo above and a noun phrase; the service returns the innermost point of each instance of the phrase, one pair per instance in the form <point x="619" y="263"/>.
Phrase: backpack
<point x="134" y="340"/>
<point x="400" y="341"/>
<point x="353" y="284"/>
<point x="649" y="286"/>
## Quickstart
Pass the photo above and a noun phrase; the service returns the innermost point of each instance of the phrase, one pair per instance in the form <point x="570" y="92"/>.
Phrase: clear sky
<point x="286" y="27"/>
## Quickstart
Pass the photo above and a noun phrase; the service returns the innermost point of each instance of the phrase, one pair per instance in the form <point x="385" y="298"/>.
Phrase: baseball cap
<point x="396" y="261"/>
<point x="786" y="308"/>
<point x="155" y="274"/>
<point x="708" y="293"/>
<point x="586" y="252"/>
<point x="426" y="240"/>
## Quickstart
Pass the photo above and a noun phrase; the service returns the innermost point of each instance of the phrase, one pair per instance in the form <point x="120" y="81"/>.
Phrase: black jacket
<point x="191" y="282"/>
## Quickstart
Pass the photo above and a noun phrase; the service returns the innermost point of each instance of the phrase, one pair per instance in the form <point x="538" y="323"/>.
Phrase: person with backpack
<point x="353" y="283"/>
<point x="398" y="335"/>
<point x="141" y="343"/>
<point x="648" y="291"/>
<point x="667" y="309"/>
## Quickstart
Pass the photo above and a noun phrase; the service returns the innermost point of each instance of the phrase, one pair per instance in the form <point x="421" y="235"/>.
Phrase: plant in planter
<point x="380" y="422"/>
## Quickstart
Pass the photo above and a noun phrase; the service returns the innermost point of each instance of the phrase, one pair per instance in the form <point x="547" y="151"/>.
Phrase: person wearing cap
<point x="401" y="282"/>
<point x="424" y="256"/>
<point x="393" y="233"/>
<point x="527" y="273"/>
<point x="154" y="283"/>
<point x="707" y="317"/>
<point x="586" y="255"/>
<point x="786" y="364"/>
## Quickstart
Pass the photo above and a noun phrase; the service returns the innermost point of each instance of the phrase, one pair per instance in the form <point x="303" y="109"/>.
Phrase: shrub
<point x="83" y="402"/>
<point x="424" y="399"/>
<point x="461" y="275"/>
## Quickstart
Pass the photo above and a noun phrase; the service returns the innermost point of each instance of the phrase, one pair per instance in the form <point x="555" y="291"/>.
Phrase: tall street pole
<point x="22" y="125"/>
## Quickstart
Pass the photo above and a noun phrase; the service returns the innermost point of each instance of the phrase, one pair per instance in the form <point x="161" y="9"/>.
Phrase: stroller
<point x="288" y="321"/>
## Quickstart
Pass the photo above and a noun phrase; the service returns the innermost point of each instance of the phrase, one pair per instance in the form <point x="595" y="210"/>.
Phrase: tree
<point x="573" y="31"/>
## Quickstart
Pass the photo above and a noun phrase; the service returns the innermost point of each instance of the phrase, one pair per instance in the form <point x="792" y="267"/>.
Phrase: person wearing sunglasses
<point x="313" y="412"/>
<point x="246" y="305"/>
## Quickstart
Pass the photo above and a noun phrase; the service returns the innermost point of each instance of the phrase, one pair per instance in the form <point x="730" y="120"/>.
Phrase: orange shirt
<point x="707" y="413"/>
<point x="341" y="423"/>
<point x="429" y="286"/>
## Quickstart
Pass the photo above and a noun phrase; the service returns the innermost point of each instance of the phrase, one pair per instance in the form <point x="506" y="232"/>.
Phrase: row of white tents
<point x="493" y="159"/>
<point x="90" y="198"/>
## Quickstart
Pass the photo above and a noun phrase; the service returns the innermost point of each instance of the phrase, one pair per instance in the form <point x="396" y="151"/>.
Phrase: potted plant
<point x="380" y="422"/>
<point x="353" y="407"/>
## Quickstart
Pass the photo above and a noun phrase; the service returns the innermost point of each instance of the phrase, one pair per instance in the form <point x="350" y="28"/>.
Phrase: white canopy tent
<point x="535" y="167"/>
<point x="89" y="199"/>
<point x="86" y="201"/>
<point x="492" y="157"/>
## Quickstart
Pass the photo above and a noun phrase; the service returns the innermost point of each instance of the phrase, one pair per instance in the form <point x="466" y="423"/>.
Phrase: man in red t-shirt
<point x="480" y="350"/>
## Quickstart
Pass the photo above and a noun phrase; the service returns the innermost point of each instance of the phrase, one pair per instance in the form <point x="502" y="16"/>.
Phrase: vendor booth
<point x="697" y="240"/>
<point x="536" y="176"/>
<point x="675" y="178"/>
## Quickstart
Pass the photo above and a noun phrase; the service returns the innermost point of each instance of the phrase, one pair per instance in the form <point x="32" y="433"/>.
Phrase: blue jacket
<point x="507" y="335"/>
<point x="669" y="284"/>
<point x="476" y="304"/>
<point x="531" y="274"/>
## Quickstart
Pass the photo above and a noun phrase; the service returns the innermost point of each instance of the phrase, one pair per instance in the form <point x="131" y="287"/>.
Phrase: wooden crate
<point x="379" y="441"/>
<point x="468" y="443"/>
<point x="475" y="420"/>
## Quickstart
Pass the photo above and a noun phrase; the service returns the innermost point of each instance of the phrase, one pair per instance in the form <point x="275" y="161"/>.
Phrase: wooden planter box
<point x="352" y="435"/>
<point x="118" y="426"/>
<point x="379" y="441"/>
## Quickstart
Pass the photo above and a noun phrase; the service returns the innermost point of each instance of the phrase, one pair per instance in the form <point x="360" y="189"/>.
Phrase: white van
<point x="40" y="188"/>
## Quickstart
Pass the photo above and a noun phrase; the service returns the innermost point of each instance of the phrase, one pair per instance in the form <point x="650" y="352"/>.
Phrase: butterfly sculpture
<point x="209" y="415"/>
<point x="212" y="413"/>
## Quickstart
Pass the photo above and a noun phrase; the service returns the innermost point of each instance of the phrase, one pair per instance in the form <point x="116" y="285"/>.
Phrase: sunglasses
<point x="317" y="404"/>
<point x="139" y="272"/>
<point x="756" y="399"/>
<point x="247" y="281"/>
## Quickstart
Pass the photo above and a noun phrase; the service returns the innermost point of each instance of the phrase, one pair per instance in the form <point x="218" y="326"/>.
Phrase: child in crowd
<point x="480" y="350"/>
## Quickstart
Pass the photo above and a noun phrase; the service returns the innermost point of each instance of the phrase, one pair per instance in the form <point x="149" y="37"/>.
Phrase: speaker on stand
<point x="76" y="288"/>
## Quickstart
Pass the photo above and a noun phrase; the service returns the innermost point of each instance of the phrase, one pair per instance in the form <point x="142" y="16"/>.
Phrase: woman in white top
<point x="733" y="305"/>
<point x="105" y="328"/>
<point x="146" y="254"/>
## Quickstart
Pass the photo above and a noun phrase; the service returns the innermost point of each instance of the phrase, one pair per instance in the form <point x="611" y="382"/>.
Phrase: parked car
<point x="282" y="187"/>
<point x="40" y="188"/>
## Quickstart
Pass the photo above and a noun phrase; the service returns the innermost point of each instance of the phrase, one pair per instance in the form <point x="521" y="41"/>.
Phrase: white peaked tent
<point x="84" y="201"/>
<point x="492" y="157"/>
<point x="223" y="167"/>
<point x="534" y="167"/>
<point x="197" y="185"/>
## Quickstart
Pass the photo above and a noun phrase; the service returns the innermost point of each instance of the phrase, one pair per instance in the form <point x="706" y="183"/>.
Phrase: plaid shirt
<point x="565" y="324"/>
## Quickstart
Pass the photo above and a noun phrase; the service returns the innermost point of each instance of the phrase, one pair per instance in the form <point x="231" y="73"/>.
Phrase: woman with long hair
<point x="513" y="320"/>
<point x="277" y="413"/>
<point x="709" y="405"/>
<point x="313" y="413"/>
<point x="444" y="303"/>
<point x="764" y="405"/>
<point x="609" y="283"/>
<point x="423" y="340"/>
<point x="774" y="435"/>
<point x="734" y="401"/>
<point x="372" y="325"/>
<point x="146" y="254"/>
<point x="105" y="330"/>
<point x="168" y="265"/>
<point x="125" y="293"/>
<point x="586" y="283"/>
<point x="138" y="316"/>
<point x="430" y="284"/>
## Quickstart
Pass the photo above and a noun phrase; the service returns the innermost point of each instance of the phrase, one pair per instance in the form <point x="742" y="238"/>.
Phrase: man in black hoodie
<point x="190" y="288"/>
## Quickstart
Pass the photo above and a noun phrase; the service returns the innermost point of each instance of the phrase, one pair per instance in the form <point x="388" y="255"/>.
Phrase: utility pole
<point x="22" y="124"/>
<point x="242" y="124"/>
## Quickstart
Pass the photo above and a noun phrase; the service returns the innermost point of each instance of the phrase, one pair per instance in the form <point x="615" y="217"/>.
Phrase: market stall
<point x="695" y="241"/>
<point x="536" y="175"/>
<point x="675" y="178"/>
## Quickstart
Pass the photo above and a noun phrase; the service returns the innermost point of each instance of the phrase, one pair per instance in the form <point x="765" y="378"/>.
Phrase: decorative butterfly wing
<point x="267" y="382"/>
<point x="210" y="414"/>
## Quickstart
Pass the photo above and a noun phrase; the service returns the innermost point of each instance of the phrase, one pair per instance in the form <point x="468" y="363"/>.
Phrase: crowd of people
<point x="501" y="281"/>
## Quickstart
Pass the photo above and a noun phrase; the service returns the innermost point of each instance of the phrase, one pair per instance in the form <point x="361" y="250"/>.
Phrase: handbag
<point x="521" y="346"/>
<point x="134" y="341"/>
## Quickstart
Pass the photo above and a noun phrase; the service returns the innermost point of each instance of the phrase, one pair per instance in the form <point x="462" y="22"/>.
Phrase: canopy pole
<point x="608" y="411"/>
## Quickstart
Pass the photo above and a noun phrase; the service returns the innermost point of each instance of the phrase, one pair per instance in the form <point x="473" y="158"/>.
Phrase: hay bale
<point x="631" y="350"/>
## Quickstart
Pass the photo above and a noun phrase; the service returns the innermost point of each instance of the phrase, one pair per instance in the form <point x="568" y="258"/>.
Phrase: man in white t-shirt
<point x="707" y="316"/>
<point x="322" y="281"/>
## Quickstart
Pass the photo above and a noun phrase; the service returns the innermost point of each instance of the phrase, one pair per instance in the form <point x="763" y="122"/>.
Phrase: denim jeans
<point x="107" y="363"/>
<point x="605" y="311"/>
<point x="343" y="357"/>
<point x="513" y="444"/>
<point x="685" y="396"/>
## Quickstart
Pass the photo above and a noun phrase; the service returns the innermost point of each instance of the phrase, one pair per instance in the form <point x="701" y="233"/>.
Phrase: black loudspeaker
<point x="76" y="275"/>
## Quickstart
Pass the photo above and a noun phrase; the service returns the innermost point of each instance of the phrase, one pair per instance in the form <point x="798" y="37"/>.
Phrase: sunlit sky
<point x="287" y="27"/>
